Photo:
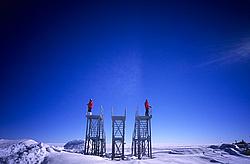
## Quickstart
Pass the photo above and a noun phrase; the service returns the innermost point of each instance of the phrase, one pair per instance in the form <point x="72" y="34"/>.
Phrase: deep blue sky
<point x="191" y="59"/>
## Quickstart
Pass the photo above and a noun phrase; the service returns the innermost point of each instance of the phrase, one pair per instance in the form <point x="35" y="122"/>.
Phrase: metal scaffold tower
<point x="118" y="134"/>
<point x="95" y="139"/>
<point x="141" y="141"/>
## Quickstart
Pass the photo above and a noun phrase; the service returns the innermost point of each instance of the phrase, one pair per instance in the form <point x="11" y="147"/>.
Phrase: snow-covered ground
<point x="30" y="151"/>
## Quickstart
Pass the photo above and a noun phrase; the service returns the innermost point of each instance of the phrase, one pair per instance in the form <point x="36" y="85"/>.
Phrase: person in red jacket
<point x="90" y="106"/>
<point x="147" y="107"/>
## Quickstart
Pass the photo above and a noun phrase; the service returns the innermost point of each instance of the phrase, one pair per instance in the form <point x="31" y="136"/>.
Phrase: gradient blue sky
<point x="191" y="59"/>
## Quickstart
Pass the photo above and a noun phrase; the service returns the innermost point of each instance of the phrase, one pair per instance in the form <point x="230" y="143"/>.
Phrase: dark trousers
<point x="89" y="109"/>
<point x="147" y="112"/>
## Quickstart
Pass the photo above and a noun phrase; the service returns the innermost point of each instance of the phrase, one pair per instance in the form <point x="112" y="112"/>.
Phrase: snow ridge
<point x="22" y="151"/>
<point x="30" y="151"/>
<point x="75" y="146"/>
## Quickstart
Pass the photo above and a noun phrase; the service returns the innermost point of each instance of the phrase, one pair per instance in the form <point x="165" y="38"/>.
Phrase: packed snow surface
<point x="30" y="151"/>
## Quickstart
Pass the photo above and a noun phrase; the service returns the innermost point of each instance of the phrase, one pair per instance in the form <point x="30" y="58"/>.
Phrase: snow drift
<point x="22" y="151"/>
<point x="30" y="151"/>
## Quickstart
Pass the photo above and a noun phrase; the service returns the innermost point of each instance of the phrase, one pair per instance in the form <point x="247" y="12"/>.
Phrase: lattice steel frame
<point x="118" y="135"/>
<point x="95" y="139"/>
<point x="141" y="141"/>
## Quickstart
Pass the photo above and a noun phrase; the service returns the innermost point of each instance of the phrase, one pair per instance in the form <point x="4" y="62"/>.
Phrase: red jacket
<point x="90" y="104"/>
<point x="147" y="106"/>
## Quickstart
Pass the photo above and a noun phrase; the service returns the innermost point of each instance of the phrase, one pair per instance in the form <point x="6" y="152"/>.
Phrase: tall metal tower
<point x="95" y="139"/>
<point x="118" y="134"/>
<point x="141" y="141"/>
